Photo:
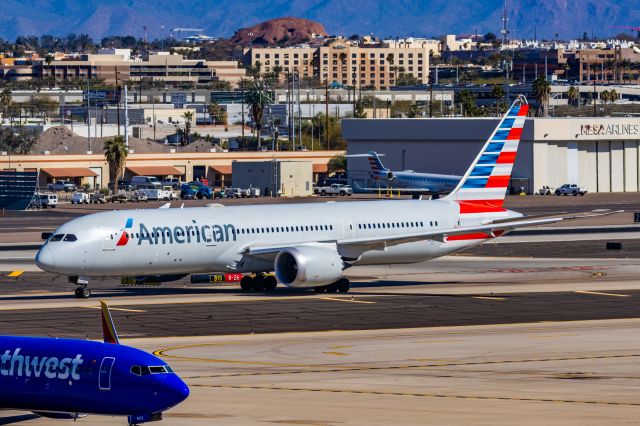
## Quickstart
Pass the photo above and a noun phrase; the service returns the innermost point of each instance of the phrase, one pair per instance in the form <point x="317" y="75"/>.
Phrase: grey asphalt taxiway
<point x="538" y="329"/>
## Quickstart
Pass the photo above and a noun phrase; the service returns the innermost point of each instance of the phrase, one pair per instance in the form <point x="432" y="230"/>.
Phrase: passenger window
<point x="70" y="237"/>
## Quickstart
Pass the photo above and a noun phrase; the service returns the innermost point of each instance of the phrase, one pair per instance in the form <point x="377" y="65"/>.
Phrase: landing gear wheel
<point x="270" y="283"/>
<point x="246" y="283"/>
<point x="83" y="292"/>
<point x="343" y="285"/>
<point x="319" y="289"/>
<point x="258" y="283"/>
<point x="332" y="288"/>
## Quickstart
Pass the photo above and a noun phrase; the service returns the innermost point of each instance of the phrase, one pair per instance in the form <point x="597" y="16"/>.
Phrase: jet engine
<point x="308" y="266"/>
<point x="390" y="175"/>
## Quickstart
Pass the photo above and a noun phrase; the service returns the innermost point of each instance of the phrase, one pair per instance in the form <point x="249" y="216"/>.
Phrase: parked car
<point x="236" y="193"/>
<point x="172" y="182"/>
<point x="145" y="182"/>
<point x="120" y="197"/>
<point x="45" y="200"/>
<point x="571" y="189"/>
<point x="80" y="198"/>
<point x="195" y="189"/>
<point x="139" y="196"/>
<point x="336" y="189"/>
<point x="62" y="185"/>
<point x="97" y="197"/>
<point x="253" y="192"/>
<point x="546" y="190"/>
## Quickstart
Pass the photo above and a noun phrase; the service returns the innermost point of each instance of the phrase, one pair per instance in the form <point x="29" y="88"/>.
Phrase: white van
<point x="150" y="182"/>
<point x="46" y="200"/>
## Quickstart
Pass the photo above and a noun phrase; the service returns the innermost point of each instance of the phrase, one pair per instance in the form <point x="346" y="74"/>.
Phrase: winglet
<point x="109" y="333"/>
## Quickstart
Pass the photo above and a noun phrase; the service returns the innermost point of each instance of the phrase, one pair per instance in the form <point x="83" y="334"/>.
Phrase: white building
<point x="602" y="153"/>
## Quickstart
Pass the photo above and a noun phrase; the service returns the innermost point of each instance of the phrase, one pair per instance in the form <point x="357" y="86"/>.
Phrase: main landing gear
<point x="258" y="282"/>
<point x="342" y="285"/>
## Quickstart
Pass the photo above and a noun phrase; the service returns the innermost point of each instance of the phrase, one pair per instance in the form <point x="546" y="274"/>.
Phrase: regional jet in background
<point x="306" y="245"/>
<point x="407" y="181"/>
<point x="70" y="378"/>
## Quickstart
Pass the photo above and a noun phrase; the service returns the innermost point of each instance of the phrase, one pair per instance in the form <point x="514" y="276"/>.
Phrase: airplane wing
<point x="492" y="230"/>
<point x="109" y="333"/>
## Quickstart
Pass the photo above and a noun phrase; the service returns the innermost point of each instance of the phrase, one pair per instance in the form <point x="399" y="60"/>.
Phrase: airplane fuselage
<point x="75" y="376"/>
<point x="208" y="239"/>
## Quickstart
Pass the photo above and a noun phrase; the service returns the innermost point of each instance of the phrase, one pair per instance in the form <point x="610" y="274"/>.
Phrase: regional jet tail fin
<point x="484" y="185"/>
<point x="109" y="333"/>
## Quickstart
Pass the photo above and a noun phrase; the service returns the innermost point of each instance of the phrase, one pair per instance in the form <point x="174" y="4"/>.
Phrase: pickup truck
<point x="62" y="185"/>
<point x="335" y="189"/>
<point x="571" y="189"/>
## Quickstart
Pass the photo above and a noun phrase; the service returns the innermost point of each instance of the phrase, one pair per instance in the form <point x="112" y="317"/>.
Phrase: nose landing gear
<point x="83" y="291"/>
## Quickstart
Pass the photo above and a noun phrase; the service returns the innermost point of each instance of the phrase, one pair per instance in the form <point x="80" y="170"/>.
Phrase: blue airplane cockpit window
<point x="70" y="237"/>
<point x="136" y="370"/>
<point x="158" y="369"/>
<point x="57" y="237"/>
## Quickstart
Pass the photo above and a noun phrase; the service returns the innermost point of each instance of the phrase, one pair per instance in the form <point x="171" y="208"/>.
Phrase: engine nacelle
<point x="308" y="266"/>
<point x="390" y="175"/>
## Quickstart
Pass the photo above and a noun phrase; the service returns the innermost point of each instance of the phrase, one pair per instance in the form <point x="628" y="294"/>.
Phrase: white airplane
<point x="407" y="180"/>
<point x="306" y="245"/>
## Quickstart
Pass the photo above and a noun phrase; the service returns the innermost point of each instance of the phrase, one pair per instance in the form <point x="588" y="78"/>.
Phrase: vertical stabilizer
<point x="109" y="333"/>
<point x="484" y="185"/>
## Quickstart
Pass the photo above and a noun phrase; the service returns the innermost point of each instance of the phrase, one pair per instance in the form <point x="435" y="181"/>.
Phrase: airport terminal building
<point x="601" y="153"/>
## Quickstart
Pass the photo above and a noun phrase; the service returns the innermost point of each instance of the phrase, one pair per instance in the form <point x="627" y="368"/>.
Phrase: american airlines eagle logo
<point x="124" y="238"/>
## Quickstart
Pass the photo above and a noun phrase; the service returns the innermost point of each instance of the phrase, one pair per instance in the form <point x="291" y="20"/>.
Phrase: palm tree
<point x="497" y="92"/>
<point x="572" y="94"/>
<point x="225" y="120"/>
<point x="258" y="97"/>
<point x="214" y="111"/>
<point x="604" y="97"/>
<point x="541" y="91"/>
<point x="115" y="152"/>
<point x="392" y="69"/>
<point x="613" y="96"/>
<point x="277" y="70"/>
<point x="5" y="101"/>
<point x="188" y="118"/>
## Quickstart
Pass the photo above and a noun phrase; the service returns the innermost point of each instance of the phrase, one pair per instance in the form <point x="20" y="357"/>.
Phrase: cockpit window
<point x="70" y="237"/>
<point x="144" y="370"/>
<point x="57" y="237"/>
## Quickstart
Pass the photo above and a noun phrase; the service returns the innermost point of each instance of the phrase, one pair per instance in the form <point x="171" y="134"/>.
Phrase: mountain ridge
<point x="567" y="18"/>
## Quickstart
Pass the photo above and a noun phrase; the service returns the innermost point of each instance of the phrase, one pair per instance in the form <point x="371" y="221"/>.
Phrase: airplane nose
<point x="45" y="259"/>
<point x="177" y="390"/>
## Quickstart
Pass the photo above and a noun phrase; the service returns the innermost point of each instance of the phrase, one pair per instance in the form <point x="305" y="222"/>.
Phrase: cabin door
<point x="104" y="378"/>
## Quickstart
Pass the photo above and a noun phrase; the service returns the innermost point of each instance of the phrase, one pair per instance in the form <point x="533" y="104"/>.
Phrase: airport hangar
<point x="601" y="153"/>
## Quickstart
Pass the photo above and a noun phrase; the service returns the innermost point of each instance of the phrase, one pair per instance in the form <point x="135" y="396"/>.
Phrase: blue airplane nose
<point x="45" y="259"/>
<point x="176" y="390"/>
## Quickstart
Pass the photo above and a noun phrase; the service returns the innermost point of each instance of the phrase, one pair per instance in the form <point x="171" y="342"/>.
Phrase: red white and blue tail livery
<point x="482" y="190"/>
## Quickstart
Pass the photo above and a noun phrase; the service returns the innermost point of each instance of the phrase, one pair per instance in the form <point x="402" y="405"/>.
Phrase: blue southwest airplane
<point x="70" y="378"/>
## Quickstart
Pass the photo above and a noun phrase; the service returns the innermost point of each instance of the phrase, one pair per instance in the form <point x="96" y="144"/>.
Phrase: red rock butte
<point x="288" y="29"/>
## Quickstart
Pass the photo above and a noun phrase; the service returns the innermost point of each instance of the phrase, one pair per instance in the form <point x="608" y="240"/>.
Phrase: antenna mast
<point x="505" y="24"/>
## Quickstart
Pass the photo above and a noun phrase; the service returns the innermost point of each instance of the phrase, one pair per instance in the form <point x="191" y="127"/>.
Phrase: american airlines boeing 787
<point x="306" y="245"/>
